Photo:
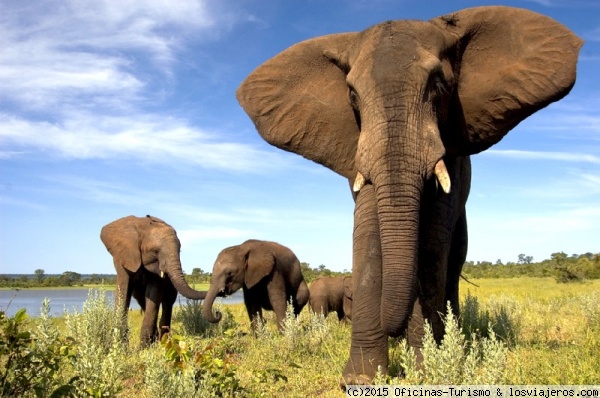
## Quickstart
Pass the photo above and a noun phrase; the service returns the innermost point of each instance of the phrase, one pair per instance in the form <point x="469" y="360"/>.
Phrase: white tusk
<point x="359" y="182"/>
<point x="442" y="175"/>
<point x="162" y="274"/>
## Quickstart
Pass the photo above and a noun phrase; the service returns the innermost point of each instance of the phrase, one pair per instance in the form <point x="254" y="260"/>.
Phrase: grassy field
<point x="546" y="333"/>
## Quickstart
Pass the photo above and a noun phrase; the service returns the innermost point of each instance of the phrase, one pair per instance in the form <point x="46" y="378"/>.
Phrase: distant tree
<point x="69" y="278"/>
<point x="523" y="259"/>
<point x="39" y="274"/>
<point x="499" y="262"/>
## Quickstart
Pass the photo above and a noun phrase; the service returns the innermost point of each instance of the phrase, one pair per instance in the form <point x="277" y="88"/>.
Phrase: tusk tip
<point x="359" y="182"/>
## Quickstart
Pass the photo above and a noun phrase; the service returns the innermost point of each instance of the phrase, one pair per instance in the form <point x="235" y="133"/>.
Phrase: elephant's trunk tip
<point x="207" y="312"/>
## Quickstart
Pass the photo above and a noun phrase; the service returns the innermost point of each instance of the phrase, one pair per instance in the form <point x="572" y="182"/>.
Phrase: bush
<point x="99" y="333"/>
<point x="32" y="360"/>
<point x="480" y="360"/>
<point x="194" y="324"/>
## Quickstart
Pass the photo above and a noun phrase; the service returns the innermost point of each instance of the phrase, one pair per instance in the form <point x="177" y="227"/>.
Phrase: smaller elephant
<point x="268" y="272"/>
<point x="332" y="294"/>
<point x="145" y="253"/>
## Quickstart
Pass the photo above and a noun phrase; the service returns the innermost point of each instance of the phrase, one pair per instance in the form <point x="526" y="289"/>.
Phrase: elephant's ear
<point x="348" y="288"/>
<point x="298" y="101"/>
<point x="514" y="63"/>
<point x="122" y="240"/>
<point x="259" y="264"/>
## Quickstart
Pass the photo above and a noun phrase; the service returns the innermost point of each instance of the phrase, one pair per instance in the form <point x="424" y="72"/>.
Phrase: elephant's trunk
<point x="177" y="278"/>
<point x="208" y="304"/>
<point x="399" y="231"/>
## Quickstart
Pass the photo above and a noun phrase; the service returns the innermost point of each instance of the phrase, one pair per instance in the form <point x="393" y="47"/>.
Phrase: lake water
<point x="62" y="300"/>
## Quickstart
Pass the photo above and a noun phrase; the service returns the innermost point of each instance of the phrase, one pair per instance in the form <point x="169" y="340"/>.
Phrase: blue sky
<point x="111" y="108"/>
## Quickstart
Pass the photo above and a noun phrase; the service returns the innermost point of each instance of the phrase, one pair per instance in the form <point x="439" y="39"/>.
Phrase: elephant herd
<point x="397" y="110"/>
<point x="145" y="253"/>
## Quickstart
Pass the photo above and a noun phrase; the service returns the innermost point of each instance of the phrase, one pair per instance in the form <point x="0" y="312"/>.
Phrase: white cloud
<point x="533" y="155"/>
<point x="147" y="138"/>
<point x="55" y="52"/>
<point x="192" y="236"/>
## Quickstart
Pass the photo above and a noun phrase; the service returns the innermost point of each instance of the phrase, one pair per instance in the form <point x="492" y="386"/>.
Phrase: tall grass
<point x="504" y="335"/>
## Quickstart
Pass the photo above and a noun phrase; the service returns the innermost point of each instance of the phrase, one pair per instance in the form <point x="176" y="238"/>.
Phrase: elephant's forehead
<point x="401" y="39"/>
<point x="391" y="49"/>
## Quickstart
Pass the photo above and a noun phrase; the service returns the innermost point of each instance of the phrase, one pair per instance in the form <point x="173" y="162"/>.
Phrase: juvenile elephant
<point x="397" y="109"/>
<point x="145" y="253"/>
<point x="268" y="272"/>
<point x="332" y="294"/>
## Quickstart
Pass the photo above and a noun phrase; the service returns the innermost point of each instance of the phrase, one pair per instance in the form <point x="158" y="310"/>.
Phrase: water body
<point x="71" y="300"/>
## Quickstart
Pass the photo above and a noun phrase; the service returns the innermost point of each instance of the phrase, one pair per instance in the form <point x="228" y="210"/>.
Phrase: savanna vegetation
<point x="512" y="331"/>
<point x="39" y="279"/>
<point x="560" y="266"/>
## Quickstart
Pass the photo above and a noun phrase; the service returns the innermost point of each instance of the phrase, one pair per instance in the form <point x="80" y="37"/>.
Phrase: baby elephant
<point x="331" y="294"/>
<point x="268" y="272"/>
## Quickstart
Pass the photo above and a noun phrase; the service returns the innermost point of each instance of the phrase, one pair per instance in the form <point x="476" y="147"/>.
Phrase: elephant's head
<point x="385" y="106"/>
<point x="151" y="243"/>
<point x="235" y="267"/>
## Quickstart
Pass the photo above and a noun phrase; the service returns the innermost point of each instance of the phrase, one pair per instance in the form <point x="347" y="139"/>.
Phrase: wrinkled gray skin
<point x="145" y="253"/>
<point x="382" y="107"/>
<point x="332" y="294"/>
<point x="268" y="272"/>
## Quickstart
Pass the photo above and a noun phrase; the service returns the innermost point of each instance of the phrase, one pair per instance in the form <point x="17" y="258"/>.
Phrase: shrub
<point x="194" y="324"/>
<point x="100" y="357"/>
<point x="457" y="360"/>
<point x="31" y="359"/>
<point x="178" y="368"/>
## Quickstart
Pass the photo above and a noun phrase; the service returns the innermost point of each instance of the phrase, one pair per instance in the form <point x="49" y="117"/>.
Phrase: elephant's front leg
<point x="168" y="300"/>
<point x="153" y="297"/>
<point x="368" y="349"/>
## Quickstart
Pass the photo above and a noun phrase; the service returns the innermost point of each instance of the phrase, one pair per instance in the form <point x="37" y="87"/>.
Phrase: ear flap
<point x="348" y="288"/>
<point x="259" y="264"/>
<point x="298" y="101"/>
<point x="514" y="63"/>
<point x="122" y="240"/>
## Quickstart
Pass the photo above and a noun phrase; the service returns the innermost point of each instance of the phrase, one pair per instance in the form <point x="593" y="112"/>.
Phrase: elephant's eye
<point x="353" y="98"/>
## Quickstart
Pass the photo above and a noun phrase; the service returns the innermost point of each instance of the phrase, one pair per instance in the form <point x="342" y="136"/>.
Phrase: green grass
<point x="541" y="332"/>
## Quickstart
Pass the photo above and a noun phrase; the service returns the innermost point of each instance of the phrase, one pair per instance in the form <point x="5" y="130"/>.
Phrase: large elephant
<point x="268" y="272"/>
<point x="332" y="294"/>
<point x="397" y="109"/>
<point x="145" y="253"/>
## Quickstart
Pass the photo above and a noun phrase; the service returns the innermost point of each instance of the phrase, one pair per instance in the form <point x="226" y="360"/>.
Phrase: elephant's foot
<point x="355" y="380"/>
<point x="362" y="369"/>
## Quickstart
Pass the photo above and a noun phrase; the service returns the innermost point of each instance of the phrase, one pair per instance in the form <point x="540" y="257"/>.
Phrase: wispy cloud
<point x="533" y="155"/>
<point x="142" y="137"/>
<point x="565" y="3"/>
<point x="55" y="52"/>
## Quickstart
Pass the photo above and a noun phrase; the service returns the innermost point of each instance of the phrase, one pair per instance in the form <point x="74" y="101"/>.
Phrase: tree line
<point x="562" y="267"/>
<point x="69" y="278"/>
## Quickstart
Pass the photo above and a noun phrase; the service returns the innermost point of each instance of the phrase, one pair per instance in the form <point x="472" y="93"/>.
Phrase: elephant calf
<point x="332" y="294"/>
<point x="268" y="272"/>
